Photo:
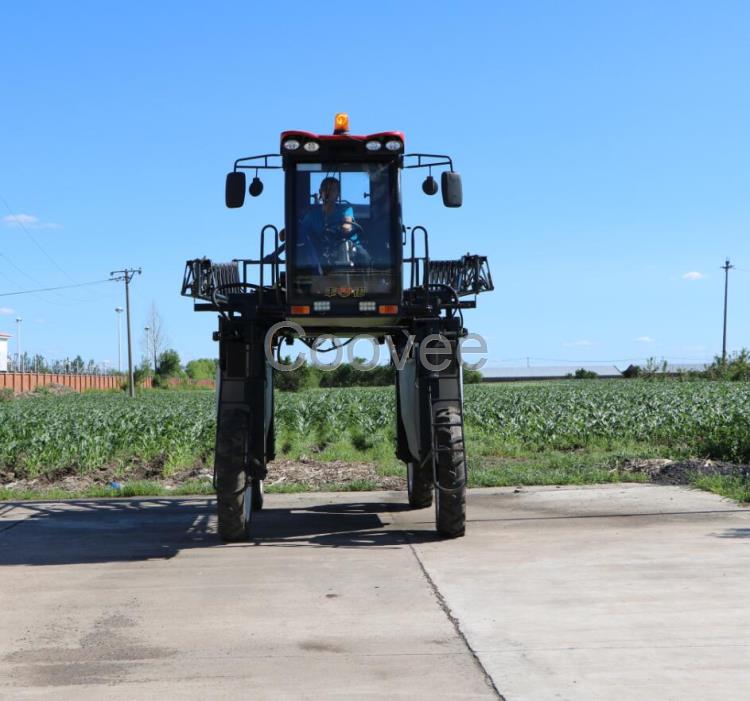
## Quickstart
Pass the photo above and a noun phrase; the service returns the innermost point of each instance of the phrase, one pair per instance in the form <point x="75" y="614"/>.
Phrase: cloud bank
<point x="27" y="221"/>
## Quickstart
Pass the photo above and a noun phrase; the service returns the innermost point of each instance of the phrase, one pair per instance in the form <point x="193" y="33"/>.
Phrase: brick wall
<point x="27" y="381"/>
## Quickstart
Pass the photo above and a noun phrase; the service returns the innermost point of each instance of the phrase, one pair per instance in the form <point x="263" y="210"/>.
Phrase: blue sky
<point x="603" y="147"/>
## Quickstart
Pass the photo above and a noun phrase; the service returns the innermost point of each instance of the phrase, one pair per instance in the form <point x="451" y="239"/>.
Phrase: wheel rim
<point x="410" y="477"/>
<point x="248" y="504"/>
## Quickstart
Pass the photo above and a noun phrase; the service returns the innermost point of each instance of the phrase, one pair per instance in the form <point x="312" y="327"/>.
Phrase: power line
<point x="24" y="273"/>
<point x="67" y="301"/>
<point x="44" y="300"/>
<point x="51" y="289"/>
<point x="36" y="243"/>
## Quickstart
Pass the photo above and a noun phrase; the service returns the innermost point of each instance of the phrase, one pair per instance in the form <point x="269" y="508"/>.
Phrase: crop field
<point x="561" y="432"/>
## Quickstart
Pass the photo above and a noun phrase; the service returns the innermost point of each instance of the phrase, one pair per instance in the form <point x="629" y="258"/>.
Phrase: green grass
<point x="731" y="486"/>
<point x="553" y="467"/>
<point x="137" y="488"/>
<point x="569" y="432"/>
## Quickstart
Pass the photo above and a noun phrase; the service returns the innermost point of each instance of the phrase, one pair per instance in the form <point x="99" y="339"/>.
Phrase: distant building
<point x="4" y="352"/>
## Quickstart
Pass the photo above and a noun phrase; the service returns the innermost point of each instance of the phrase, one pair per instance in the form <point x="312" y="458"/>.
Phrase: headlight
<point x="393" y="145"/>
<point x="322" y="306"/>
<point x="373" y="145"/>
<point x="291" y="144"/>
<point x="312" y="146"/>
<point x="367" y="306"/>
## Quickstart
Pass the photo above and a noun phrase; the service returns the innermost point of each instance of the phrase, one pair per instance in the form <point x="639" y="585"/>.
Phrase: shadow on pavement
<point x="734" y="533"/>
<point x="343" y="525"/>
<point x="88" y="531"/>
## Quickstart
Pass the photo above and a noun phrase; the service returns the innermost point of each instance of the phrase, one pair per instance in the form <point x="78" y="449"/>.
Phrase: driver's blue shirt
<point x="315" y="228"/>
<point x="316" y="221"/>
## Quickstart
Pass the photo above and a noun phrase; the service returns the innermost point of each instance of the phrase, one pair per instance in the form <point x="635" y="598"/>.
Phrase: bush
<point x="293" y="380"/>
<point x="583" y="374"/>
<point x="353" y="375"/>
<point x="202" y="369"/>
<point x="141" y="373"/>
<point x="735" y="368"/>
<point x="169" y="364"/>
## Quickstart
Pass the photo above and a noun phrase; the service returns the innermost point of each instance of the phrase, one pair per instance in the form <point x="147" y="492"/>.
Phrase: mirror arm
<point x="239" y="164"/>
<point x="440" y="160"/>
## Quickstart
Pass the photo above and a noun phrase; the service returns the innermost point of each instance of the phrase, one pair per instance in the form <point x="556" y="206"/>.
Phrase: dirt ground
<point x="664" y="471"/>
<point x="334" y="476"/>
<point x="315" y="474"/>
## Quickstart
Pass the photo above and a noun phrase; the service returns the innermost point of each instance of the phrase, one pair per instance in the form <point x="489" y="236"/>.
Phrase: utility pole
<point x="119" y="310"/>
<point x="127" y="275"/>
<point x="19" y="357"/>
<point x="726" y="267"/>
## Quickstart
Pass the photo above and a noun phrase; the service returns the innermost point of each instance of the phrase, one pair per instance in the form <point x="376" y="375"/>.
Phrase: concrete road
<point x="612" y="592"/>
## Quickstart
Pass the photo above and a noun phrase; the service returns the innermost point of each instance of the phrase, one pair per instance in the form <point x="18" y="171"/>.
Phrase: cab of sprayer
<point x="343" y="220"/>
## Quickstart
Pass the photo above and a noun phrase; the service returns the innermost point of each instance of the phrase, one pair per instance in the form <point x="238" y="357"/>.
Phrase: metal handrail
<point x="414" y="260"/>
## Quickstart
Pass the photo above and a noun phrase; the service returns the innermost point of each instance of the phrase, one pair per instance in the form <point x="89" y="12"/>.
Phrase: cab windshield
<point x="342" y="230"/>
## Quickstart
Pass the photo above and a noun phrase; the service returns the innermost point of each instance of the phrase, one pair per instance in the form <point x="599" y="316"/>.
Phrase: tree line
<point x="66" y="366"/>
<point x="169" y="369"/>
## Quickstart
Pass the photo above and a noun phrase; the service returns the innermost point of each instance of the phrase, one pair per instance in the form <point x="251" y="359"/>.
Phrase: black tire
<point x="235" y="514"/>
<point x="419" y="485"/>
<point x="236" y="511"/>
<point x="450" y="501"/>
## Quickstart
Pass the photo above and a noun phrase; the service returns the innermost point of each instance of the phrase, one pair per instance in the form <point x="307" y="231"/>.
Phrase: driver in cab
<point x="328" y="229"/>
<point x="330" y="213"/>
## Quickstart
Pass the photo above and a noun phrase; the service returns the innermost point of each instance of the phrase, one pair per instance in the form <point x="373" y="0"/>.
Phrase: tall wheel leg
<point x="441" y="398"/>
<point x="241" y="428"/>
<point x="230" y="479"/>
<point x="450" y="468"/>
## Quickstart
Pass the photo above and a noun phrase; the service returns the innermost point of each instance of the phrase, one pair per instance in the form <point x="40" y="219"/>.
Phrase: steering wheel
<point x="334" y="233"/>
<point x="338" y="246"/>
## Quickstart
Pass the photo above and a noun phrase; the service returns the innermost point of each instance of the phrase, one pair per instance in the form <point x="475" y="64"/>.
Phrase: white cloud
<point x="20" y="219"/>
<point x="576" y="344"/>
<point x="28" y="221"/>
<point x="644" y="339"/>
<point x="694" y="275"/>
<point x="6" y="311"/>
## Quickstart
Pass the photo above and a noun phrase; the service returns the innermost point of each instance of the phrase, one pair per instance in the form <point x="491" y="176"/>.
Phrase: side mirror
<point x="453" y="194"/>
<point x="234" y="194"/>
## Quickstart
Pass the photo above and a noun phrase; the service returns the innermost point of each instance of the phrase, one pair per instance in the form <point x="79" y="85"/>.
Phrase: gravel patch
<point x="314" y="474"/>
<point x="664" y="471"/>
